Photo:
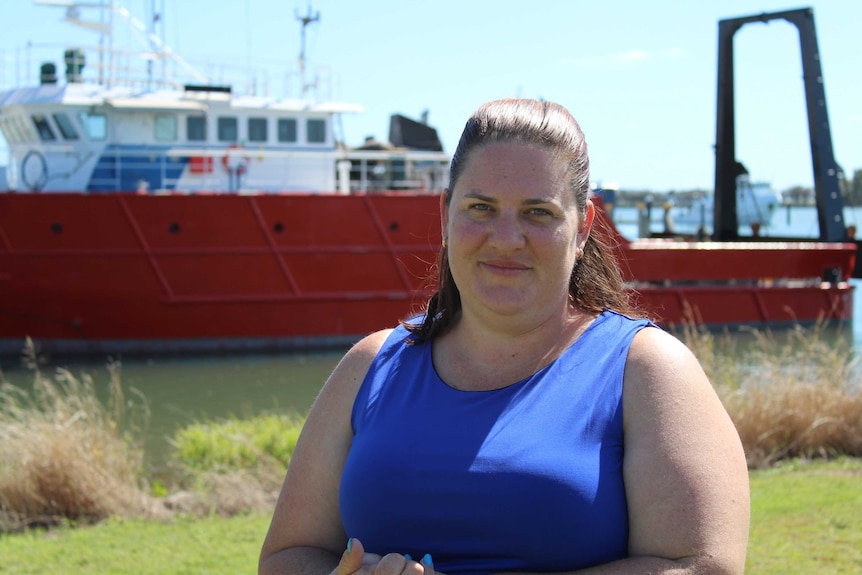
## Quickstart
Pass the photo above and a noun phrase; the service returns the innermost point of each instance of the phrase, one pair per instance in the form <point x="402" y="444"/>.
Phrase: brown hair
<point x="595" y="283"/>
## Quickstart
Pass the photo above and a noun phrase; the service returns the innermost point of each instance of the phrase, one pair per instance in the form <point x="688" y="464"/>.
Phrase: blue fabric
<point x="528" y="477"/>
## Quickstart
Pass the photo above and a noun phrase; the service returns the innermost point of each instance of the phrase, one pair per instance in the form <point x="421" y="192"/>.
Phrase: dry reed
<point x="64" y="455"/>
<point x="793" y="394"/>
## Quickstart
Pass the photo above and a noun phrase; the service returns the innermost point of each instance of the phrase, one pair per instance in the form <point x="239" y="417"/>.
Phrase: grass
<point x="797" y="395"/>
<point x="232" y="466"/>
<point x="805" y="518"/>
<point x="237" y="444"/>
<point x="65" y="455"/>
<point x="805" y="521"/>
<point x="184" y="546"/>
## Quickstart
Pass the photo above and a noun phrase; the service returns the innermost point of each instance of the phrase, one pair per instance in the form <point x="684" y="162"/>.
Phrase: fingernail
<point x="427" y="560"/>
<point x="350" y="545"/>
<point x="408" y="557"/>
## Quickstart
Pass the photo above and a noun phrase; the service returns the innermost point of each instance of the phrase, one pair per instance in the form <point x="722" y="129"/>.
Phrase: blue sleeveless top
<point x="523" y="478"/>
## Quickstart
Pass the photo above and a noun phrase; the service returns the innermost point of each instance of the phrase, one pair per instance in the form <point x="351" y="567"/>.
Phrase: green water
<point x="182" y="390"/>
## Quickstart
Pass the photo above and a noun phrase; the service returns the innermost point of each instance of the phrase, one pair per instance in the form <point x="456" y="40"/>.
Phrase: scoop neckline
<point x="522" y="382"/>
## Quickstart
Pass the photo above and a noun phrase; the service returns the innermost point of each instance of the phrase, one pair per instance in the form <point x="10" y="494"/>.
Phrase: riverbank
<point x="68" y="454"/>
<point x="792" y="398"/>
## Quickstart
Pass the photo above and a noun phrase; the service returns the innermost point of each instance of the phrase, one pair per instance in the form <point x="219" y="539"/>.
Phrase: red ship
<point x="174" y="232"/>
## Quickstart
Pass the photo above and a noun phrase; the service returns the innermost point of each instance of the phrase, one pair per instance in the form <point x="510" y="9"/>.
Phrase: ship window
<point x="287" y="130"/>
<point x="257" y="129"/>
<point x="165" y="127"/>
<point x="44" y="128"/>
<point x="67" y="128"/>
<point x="316" y="131"/>
<point x="228" y="130"/>
<point x="11" y="132"/>
<point x="8" y="134"/>
<point x="23" y="129"/>
<point x="196" y="128"/>
<point x="96" y="125"/>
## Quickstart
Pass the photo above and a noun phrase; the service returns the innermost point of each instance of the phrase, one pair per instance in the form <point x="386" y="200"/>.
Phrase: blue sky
<point x="639" y="76"/>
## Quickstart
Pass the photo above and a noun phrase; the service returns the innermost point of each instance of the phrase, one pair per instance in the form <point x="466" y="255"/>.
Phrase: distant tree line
<point x="678" y="197"/>
<point x="851" y="189"/>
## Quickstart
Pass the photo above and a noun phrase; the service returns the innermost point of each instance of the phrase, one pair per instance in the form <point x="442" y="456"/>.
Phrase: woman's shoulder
<point x="371" y="344"/>
<point x="663" y="373"/>
<point x="358" y="358"/>
<point x="653" y="346"/>
<point x="344" y="382"/>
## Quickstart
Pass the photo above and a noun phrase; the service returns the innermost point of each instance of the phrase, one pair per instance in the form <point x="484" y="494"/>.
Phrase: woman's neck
<point x="476" y="355"/>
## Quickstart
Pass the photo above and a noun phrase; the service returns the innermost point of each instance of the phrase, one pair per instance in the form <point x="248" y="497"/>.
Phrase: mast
<point x="151" y="33"/>
<point x="155" y="20"/>
<point x="305" y="21"/>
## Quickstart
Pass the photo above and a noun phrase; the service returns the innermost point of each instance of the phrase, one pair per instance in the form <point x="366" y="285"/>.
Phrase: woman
<point x="526" y="422"/>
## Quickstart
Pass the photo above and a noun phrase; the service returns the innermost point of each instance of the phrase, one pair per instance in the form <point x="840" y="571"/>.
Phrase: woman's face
<point x="513" y="228"/>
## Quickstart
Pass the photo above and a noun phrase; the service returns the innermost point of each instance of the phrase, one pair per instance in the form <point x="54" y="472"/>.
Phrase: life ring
<point x="39" y="173"/>
<point x="241" y="167"/>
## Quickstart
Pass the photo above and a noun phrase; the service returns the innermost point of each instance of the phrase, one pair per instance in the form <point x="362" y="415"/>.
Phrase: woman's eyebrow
<point x="489" y="199"/>
<point x="537" y="201"/>
<point x="478" y="196"/>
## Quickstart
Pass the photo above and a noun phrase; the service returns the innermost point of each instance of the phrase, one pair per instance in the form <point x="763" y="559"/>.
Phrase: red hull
<point x="129" y="272"/>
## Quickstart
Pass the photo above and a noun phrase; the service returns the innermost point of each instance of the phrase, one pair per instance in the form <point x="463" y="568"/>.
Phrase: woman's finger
<point x="427" y="564"/>
<point x="351" y="559"/>
<point x="371" y="559"/>
<point x="393" y="564"/>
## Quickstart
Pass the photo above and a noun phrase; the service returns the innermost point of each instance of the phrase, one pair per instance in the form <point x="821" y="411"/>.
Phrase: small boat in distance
<point x="756" y="203"/>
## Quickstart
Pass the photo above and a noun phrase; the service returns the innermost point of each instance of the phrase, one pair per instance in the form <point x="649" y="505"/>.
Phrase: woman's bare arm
<point x="306" y="536"/>
<point x="684" y="468"/>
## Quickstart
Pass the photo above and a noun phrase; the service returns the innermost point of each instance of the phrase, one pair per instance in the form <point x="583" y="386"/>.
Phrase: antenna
<point x="305" y="21"/>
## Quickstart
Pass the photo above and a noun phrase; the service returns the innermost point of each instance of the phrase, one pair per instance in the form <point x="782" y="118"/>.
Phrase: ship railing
<point x="134" y="170"/>
<point x="220" y="169"/>
<point x="357" y="170"/>
<point x="26" y="67"/>
<point x="159" y="67"/>
<point x="23" y="67"/>
<point x="372" y="170"/>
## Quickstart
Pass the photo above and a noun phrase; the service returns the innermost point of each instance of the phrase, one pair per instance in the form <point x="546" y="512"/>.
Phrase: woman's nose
<point x="507" y="232"/>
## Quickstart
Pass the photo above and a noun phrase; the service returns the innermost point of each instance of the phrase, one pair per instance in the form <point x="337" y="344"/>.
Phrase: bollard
<point x="669" y="226"/>
<point x="643" y="221"/>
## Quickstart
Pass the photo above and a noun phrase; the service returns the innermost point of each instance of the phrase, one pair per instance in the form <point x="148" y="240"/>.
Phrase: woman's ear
<point x="444" y="212"/>
<point x="586" y="224"/>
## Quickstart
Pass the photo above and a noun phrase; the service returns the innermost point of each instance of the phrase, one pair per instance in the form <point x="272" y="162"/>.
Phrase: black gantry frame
<point x="826" y="171"/>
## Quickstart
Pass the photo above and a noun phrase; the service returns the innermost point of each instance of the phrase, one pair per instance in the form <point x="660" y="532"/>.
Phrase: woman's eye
<point x="480" y="207"/>
<point x="539" y="212"/>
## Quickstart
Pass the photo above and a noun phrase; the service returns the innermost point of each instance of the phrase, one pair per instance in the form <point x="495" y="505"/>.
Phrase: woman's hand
<point x="355" y="560"/>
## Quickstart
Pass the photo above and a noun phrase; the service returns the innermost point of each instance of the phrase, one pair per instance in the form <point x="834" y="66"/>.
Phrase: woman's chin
<point x="506" y="302"/>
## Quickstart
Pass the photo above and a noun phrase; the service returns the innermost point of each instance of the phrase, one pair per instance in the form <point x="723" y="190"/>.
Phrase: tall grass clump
<point x="792" y="394"/>
<point x="65" y="455"/>
<point x="234" y="465"/>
